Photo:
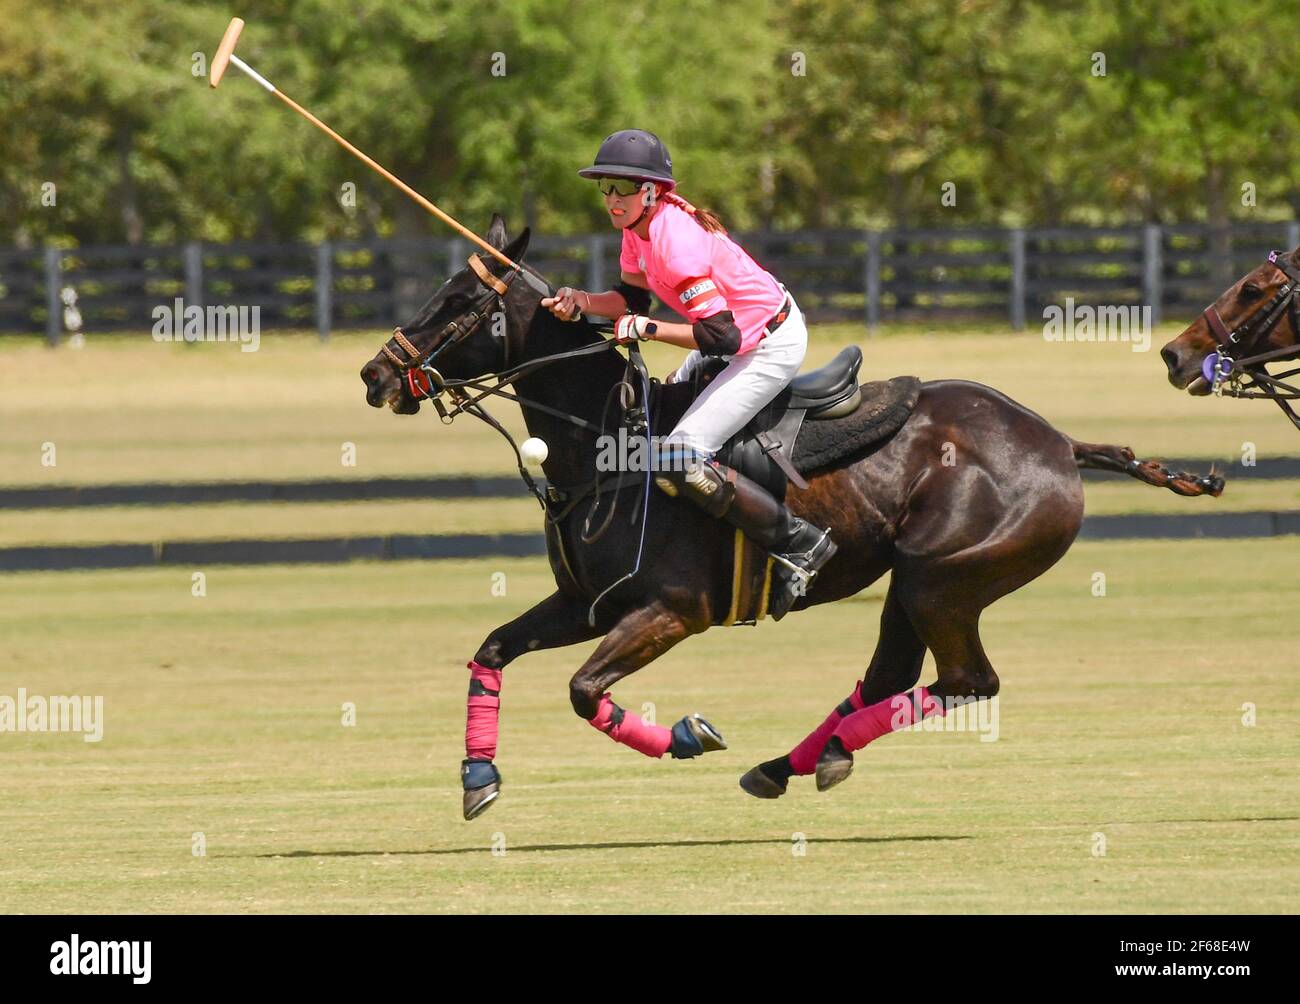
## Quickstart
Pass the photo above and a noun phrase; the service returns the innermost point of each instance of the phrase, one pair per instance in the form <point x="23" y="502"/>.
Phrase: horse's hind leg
<point x="951" y="632"/>
<point x="943" y="584"/>
<point x="965" y="672"/>
<point x="895" y="667"/>
<point x="639" y="637"/>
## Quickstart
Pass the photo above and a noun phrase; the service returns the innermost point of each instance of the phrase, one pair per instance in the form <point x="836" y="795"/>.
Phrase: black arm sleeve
<point x="636" y="298"/>
<point x="717" y="334"/>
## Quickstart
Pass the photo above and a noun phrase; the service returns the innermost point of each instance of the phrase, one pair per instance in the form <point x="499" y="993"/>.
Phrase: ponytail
<point x="704" y="217"/>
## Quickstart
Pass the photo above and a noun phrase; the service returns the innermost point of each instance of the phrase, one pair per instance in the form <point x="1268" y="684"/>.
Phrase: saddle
<point x="776" y="448"/>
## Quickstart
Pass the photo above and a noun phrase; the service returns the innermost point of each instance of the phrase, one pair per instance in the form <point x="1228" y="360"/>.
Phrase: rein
<point x="1247" y="377"/>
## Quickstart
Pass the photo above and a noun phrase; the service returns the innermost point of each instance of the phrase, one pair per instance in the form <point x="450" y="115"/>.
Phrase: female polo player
<point x="736" y="310"/>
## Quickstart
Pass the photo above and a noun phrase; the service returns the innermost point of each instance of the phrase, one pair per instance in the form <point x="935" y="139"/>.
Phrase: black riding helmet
<point x="635" y="154"/>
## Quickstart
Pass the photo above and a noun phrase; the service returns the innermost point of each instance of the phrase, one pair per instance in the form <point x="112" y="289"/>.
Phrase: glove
<point x="632" y="327"/>
<point x="692" y="362"/>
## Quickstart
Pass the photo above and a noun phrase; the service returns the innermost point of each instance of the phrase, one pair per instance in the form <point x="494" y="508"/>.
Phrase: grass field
<point x="145" y="524"/>
<point x="1119" y="716"/>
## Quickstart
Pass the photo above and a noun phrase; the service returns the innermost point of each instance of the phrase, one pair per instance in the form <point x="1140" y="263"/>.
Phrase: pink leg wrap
<point x="482" y="712"/>
<point x="803" y="758"/>
<point x="652" y="740"/>
<point x="889" y="715"/>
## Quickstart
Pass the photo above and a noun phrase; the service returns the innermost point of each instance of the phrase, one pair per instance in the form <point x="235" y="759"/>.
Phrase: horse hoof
<point x="758" y="784"/>
<point x="478" y="800"/>
<point x="693" y="736"/>
<point x="482" y="783"/>
<point x="834" y="765"/>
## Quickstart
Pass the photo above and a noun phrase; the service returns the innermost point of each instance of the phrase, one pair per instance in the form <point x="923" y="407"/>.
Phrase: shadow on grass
<point x="619" y="845"/>
<point x="607" y="846"/>
<point x="1234" y="819"/>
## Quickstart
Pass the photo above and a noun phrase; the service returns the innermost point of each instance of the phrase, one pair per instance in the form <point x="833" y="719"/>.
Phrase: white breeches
<point x="741" y="390"/>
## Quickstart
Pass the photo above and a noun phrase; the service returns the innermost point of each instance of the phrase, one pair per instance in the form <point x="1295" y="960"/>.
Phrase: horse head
<point x="1258" y="314"/>
<point x="465" y="330"/>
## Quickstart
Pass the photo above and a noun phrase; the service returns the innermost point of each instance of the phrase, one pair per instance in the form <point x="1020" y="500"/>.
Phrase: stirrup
<point x="799" y="577"/>
<point x="804" y="565"/>
<point x="798" y="572"/>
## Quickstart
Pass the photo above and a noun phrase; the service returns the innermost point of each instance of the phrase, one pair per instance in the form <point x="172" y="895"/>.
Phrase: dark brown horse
<point x="1228" y="348"/>
<point x="974" y="497"/>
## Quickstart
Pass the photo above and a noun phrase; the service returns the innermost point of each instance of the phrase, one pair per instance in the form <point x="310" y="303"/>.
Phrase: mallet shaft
<point x="463" y="231"/>
<point x="225" y="56"/>
<point x="252" y="73"/>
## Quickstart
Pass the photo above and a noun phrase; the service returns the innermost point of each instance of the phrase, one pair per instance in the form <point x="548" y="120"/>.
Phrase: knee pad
<point x="703" y="481"/>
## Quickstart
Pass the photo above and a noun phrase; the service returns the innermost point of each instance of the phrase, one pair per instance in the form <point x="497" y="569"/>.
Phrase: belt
<point x="779" y="317"/>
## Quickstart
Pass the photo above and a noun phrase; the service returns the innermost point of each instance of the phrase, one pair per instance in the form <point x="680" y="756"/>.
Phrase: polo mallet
<point x="225" y="56"/>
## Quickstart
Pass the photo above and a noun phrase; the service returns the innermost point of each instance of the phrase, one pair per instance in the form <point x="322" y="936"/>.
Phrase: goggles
<point x="619" y="186"/>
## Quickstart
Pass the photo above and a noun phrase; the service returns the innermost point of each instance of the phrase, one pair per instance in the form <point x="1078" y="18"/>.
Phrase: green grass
<point x="1119" y="715"/>
<point x="146" y="524"/>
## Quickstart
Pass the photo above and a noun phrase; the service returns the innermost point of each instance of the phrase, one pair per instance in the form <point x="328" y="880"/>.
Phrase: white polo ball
<point x="534" y="451"/>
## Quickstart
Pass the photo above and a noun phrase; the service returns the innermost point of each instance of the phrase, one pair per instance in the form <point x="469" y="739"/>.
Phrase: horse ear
<point x="515" y="252"/>
<point x="496" y="235"/>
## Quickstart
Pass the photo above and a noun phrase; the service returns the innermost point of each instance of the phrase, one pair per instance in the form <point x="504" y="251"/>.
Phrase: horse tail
<point x="1099" y="457"/>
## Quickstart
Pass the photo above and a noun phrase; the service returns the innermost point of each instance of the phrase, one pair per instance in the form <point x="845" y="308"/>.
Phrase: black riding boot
<point x="798" y="548"/>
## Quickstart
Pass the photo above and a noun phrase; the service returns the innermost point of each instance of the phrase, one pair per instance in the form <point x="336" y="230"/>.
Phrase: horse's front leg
<point x="639" y="637"/>
<point x="557" y="621"/>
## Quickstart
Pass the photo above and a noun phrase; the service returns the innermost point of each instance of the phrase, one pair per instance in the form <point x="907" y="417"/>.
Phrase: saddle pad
<point x="886" y="405"/>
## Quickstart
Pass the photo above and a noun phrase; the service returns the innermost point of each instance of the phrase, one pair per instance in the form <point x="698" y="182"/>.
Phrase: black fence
<point x="872" y="277"/>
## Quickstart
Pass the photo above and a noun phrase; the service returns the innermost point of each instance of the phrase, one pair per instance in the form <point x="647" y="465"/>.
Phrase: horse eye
<point x="1251" y="292"/>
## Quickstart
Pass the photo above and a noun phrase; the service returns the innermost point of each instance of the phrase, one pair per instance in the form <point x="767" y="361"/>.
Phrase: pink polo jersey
<point x="699" y="273"/>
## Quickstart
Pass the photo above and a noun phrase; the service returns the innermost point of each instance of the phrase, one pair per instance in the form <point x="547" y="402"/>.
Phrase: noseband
<point x="1229" y="374"/>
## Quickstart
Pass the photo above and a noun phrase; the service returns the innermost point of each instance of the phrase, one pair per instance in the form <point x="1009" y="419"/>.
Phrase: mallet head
<point x="222" y="59"/>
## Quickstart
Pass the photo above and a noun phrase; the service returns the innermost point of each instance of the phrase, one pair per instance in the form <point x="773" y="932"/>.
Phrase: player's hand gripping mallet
<point x="225" y="56"/>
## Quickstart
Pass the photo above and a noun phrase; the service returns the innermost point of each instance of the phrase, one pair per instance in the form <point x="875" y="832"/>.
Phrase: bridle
<point x="423" y="380"/>
<point x="1247" y="377"/>
<point x="416" y="369"/>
